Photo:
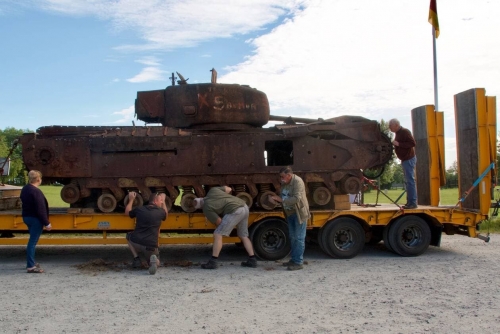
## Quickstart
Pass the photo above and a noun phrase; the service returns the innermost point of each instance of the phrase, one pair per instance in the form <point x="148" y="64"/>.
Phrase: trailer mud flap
<point x="436" y="232"/>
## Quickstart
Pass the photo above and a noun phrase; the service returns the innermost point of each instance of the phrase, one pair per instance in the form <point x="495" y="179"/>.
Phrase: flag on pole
<point x="433" y="16"/>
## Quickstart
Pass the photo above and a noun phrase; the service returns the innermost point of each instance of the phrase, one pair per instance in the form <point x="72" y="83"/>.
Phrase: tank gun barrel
<point x="293" y="120"/>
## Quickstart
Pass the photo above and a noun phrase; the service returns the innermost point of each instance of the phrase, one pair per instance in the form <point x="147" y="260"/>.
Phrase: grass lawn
<point x="53" y="195"/>
<point x="448" y="196"/>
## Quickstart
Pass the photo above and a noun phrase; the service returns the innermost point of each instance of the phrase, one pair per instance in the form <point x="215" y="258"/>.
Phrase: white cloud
<point x="149" y="60"/>
<point x="148" y="74"/>
<point x="127" y="115"/>
<point x="169" y="24"/>
<point x="352" y="57"/>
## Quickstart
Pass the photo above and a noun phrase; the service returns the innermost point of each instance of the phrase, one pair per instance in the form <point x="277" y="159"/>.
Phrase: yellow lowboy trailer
<point x="340" y="233"/>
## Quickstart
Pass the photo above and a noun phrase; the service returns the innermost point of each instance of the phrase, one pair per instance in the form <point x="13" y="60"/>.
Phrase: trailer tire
<point x="321" y="242"/>
<point x="410" y="236"/>
<point x="343" y="238"/>
<point x="271" y="240"/>
<point x="385" y="237"/>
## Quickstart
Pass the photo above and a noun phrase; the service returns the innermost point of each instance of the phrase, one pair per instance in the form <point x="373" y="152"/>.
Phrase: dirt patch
<point x="181" y="263"/>
<point x="99" y="265"/>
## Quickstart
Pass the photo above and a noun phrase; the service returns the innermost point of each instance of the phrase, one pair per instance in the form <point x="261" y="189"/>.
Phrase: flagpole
<point x="436" y="106"/>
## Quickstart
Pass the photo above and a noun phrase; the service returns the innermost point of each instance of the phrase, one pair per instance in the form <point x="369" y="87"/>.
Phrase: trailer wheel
<point x="410" y="236"/>
<point x="320" y="240"/>
<point x="385" y="237"/>
<point x="343" y="238"/>
<point x="270" y="240"/>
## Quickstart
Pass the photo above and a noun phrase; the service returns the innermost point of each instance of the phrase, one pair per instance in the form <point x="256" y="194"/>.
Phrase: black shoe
<point x="286" y="264"/>
<point x="211" y="264"/>
<point x="295" y="266"/>
<point x="251" y="263"/>
<point x="136" y="263"/>
<point x="410" y="206"/>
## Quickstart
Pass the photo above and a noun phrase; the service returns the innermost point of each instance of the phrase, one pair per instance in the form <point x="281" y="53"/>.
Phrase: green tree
<point x="398" y="173"/>
<point x="387" y="177"/>
<point x="4" y="149"/>
<point x="7" y="138"/>
<point x="451" y="176"/>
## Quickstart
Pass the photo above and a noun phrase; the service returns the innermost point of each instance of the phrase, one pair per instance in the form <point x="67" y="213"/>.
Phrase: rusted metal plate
<point x="9" y="197"/>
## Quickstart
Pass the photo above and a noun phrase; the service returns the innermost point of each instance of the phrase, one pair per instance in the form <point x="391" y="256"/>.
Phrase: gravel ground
<point x="89" y="289"/>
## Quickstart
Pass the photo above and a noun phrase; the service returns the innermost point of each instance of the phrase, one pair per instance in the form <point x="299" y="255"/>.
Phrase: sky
<point x="81" y="62"/>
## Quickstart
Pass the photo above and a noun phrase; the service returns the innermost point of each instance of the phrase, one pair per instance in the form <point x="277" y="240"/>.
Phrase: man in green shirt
<point x="226" y="212"/>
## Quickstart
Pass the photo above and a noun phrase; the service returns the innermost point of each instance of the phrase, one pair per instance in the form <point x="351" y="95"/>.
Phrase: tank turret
<point x="207" y="105"/>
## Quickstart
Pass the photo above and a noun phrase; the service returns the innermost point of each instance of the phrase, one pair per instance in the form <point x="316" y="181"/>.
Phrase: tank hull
<point x="100" y="165"/>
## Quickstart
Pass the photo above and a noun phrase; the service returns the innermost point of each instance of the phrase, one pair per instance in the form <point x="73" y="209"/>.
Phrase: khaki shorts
<point x="147" y="251"/>
<point x="238" y="219"/>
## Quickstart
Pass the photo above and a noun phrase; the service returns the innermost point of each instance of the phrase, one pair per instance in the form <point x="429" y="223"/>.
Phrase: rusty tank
<point x="197" y="136"/>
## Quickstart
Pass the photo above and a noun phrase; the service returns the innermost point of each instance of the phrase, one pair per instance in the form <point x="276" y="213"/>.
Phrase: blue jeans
<point x="35" y="228"/>
<point x="297" y="233"/>
<point x="411" y="186"/>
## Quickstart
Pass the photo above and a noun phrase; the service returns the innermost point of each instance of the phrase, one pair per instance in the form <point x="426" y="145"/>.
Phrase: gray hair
<point x="395" y="122"/>
<point x="34" y="176"/>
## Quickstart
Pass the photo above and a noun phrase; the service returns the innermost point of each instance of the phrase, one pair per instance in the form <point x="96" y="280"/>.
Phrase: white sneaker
<point x="152" y="265"/>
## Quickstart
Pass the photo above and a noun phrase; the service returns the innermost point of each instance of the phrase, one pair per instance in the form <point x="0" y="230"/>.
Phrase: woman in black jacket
<point x="35" y="215"/>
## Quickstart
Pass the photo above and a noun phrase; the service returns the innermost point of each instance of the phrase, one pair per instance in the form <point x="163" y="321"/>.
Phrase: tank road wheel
<point x="350" y="185"/>
<point x="245" y="197"/>
<point x="138" y="201"/>
<point x="321" y="196"/>
<point x="410" y="236"/>
<point x="343" y="238"/>
<point x="70" y="193"/>
<point x="270" y="240"/>
<point x="106" y="203"/>
<point x="187" y="202"/>
<point x="385" y="237"/>
<point x="265" y="202"/>
<point x="168" y="203"/>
